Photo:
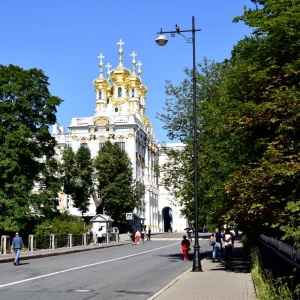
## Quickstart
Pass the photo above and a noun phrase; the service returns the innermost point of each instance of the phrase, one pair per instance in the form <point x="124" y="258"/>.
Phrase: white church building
<point x="120" y="117"/>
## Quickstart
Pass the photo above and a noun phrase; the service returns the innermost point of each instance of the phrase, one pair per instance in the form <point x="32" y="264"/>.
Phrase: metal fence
<point x="38" y="242"/>
<point x="283" y="249"/>
<point x="281" y="259"/>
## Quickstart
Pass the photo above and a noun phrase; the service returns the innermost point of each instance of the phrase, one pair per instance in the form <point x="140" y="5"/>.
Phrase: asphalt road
<point x="126" y="272"/>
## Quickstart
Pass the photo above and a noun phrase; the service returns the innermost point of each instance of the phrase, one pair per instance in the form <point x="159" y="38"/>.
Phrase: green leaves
<point x="77" y="176"/>
<point x="27" y="109"/>
<point x="119" y="193"/>
<point x="248" y="129"/>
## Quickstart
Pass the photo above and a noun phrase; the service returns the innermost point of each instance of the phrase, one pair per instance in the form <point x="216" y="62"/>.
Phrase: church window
<point x="132" y="92"/>
<point x="121" y="145"/>
<point x="101" y="145"/>
<point x="100" y="94"/>
<point x="119" y="92"/>
<point x="107" y="101"/>
<point x="69" y="201"/>
<point x="116" y="109"/>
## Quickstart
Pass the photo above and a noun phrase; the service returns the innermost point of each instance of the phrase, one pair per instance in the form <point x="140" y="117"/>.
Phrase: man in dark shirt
<point x="216" y="239"/>
<point x="149" y="234"/>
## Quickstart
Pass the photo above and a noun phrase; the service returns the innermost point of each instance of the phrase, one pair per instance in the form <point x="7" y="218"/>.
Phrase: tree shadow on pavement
<point x="238" y="264"/>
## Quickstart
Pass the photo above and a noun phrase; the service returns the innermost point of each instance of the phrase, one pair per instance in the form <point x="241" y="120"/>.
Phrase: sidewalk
<point x="217" y="281"/>
<point x="4" y="258"/>
<point x="224" y="281"/>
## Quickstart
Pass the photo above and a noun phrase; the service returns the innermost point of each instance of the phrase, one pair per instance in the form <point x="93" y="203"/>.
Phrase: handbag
<point x="213" y="240"/>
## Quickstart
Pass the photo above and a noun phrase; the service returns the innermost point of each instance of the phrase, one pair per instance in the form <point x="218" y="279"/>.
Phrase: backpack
<point x="227" y="238"/>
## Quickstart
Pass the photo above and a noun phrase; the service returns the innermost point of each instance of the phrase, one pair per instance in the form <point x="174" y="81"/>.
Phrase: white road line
<point x="81" y="267"/>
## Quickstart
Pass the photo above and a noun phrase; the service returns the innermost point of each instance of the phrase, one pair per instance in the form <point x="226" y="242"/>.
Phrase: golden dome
<point x="133" y="80"/>
<point x="101" y="83"/>
<point x="120" y="74"/>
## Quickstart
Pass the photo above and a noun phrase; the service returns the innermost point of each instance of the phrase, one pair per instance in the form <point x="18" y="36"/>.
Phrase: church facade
<point x="120" y="117"/>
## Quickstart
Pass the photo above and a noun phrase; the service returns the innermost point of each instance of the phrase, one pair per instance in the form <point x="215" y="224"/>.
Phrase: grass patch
<point x="268" y="288"/>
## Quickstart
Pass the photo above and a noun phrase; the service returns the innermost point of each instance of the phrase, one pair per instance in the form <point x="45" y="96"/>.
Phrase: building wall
<point x="120" y="117"/>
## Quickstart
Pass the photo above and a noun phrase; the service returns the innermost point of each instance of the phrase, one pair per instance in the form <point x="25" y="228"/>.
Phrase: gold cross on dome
<point x="120" y="43"/>
<point x="101" y="56"/>
<point x="139" y="64"/>
<point x="133" y="54"/>
<point x="108" y="66"/>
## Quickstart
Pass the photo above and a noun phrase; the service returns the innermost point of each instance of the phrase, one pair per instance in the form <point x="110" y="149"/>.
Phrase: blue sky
<point x="64" y="39"/>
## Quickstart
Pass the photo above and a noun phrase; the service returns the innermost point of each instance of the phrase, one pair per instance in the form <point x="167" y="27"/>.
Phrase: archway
<point x="167" y="219"/>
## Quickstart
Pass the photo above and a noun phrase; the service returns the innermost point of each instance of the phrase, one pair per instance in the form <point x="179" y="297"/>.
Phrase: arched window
<point x="99" y="94"/>
<point x="119" y="92"/>
<point x="132" y="92"/>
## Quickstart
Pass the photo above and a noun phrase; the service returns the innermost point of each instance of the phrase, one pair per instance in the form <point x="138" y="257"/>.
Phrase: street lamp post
<point x="162" y="41"/>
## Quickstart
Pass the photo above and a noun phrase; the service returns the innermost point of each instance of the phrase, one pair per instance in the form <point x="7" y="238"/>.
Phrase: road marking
<point x="82" y="267"/>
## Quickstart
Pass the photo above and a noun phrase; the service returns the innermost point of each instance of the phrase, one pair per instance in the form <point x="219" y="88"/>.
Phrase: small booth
<point x="105" y="222"/>
<point x="134" y="222"/>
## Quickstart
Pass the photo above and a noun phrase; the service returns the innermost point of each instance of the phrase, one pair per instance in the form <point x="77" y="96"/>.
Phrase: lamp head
<point x="161" y="40"/>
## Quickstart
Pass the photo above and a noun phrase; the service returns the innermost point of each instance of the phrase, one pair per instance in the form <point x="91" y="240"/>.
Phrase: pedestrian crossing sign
<point x="128" y="216"/>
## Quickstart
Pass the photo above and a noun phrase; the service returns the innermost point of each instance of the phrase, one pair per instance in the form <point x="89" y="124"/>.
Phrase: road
<point x="126" y="272"/>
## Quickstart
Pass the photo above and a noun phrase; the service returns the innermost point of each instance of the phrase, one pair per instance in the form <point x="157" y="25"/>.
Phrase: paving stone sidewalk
<point x="219" y="280"/>
<point x="226" y="281"/>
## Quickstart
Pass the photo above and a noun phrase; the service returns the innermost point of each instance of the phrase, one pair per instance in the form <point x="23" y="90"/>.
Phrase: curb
<point x="63" y="252"/>
<point x="169" y="285"/>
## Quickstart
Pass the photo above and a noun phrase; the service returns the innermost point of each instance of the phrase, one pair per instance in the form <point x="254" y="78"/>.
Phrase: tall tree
<point x="213" y="147"/>
<point x="77" y="174"/>
<point x="264" y="79"/>
<point x="249" y="126"/>
<point x="119" y="193"/>
<point x="27" y="109"/>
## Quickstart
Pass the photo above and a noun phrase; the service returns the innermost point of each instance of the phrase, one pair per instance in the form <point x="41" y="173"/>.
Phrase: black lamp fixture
<point x="162" y="41"/>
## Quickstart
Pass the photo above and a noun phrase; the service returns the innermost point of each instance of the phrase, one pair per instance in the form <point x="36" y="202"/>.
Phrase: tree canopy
<point x="77" y="176"/>
<point x="248" y="126"/>
<point x="27" y="109"/>
<point x="119" y="192"/>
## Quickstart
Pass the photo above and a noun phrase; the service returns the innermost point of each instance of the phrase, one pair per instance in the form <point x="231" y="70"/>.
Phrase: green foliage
<point x="248" y="129"/>
<point x="119" y="193"/>
<point x="77" y="172"/>
<point x="266" y="286"/>
<point x="264" y="79"/>
<point x="27" y="110"/>
<point x="61" y="225"/>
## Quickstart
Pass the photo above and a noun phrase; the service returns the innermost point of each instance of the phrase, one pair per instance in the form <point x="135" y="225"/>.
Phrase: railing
<point x="281" y="259"/>
<point x="289" y="252"/>
<point x="38" y="242"/>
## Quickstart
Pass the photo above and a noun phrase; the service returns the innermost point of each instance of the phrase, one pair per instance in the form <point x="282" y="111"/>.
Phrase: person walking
<point x="142" y="237"/>
<point x="99" y="237"/>
<point x="17" y="244"/>
<point x="149" y="234"/>
<point x="216" y="242"/>
<point x="133" y="238"/>
<point x="138" y="237"/>
<point x="228" y="244"/>
<point x="185" y="246"/>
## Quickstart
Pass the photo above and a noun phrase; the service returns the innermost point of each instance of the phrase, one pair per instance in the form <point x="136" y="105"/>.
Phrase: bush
<point x="265" y="285"/>
<point x="61" y="225"/>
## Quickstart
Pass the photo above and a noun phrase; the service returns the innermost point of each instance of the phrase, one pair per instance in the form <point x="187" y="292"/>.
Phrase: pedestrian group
<point x="222" y="241"/>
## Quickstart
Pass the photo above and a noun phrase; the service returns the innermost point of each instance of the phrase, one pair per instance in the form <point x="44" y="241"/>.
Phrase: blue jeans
<point x="216" y="251"/>
<point x="17" y="255"/>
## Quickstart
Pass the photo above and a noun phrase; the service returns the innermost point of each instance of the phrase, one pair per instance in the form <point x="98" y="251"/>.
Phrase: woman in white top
<point x="228" y="242"/>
